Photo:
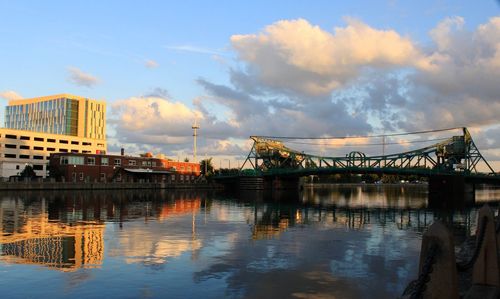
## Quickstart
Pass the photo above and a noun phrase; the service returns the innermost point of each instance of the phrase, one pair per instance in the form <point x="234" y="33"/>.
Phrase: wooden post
<point x="443" y="281"/>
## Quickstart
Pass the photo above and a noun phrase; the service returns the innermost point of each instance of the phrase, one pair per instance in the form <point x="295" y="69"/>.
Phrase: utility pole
<point x="195" y="128"/>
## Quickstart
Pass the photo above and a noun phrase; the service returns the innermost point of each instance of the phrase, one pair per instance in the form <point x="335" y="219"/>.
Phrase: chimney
<point x="122" y="151"/>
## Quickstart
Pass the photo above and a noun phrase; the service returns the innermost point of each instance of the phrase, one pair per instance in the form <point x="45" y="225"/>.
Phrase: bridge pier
<point x="282" y="183"/>
<point x="450" y="191"/>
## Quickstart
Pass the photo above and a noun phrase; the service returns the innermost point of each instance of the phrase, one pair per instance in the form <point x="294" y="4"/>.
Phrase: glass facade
<point x="58" y="115"/>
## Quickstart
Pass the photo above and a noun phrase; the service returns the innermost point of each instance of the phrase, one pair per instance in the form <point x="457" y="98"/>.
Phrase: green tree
<point x="186" y="159"/>
<point x="54" y="172"/>
<point x="28" y="172"/>
<point x="206" y="167"/>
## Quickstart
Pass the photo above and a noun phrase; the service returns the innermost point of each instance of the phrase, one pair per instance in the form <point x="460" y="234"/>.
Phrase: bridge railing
<point x="439" y="268"/>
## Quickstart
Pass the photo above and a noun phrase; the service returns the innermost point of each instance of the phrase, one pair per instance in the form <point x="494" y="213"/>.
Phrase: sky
<point x="277" y="68"/>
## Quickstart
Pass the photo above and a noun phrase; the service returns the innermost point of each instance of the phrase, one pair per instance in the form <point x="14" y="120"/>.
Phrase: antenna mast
<point x="195" y="128"/>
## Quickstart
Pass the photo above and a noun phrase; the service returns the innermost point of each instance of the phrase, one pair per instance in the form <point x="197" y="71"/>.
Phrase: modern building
<point x="63" y="114"/>
<point x="78" y="167"/>
<point x="35" y="128"/>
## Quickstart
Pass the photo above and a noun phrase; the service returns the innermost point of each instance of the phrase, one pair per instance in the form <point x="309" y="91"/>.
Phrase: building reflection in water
<point x="29" y="237"/>
<point x="65" y="231"/>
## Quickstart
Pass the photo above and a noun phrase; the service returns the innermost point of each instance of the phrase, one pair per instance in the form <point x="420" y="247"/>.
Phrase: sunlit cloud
<point x="10" y="95"/>
<point x="80" y="78"/>
<point x="151" y="64"/>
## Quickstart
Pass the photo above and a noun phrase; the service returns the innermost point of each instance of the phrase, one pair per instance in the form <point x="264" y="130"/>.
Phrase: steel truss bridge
<point x="454" y="155"/>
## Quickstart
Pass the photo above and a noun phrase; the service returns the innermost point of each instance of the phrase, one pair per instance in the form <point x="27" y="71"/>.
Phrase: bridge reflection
<point x="65" y="231"/>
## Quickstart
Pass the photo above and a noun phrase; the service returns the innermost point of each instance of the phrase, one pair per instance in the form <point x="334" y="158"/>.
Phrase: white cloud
<point x="193" y="49"/>
<point x="78" y="77"/>
<point x="151" y="64"/>
<point x="10" y="95"/>
<point x="295" y="55"/>
<point x="296" y="79"/>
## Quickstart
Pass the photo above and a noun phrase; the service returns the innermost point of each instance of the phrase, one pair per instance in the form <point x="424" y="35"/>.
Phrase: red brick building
<point x="75" y="167"/>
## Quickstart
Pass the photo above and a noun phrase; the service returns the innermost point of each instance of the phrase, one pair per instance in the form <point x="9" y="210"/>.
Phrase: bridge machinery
<point x="451" y="164"/>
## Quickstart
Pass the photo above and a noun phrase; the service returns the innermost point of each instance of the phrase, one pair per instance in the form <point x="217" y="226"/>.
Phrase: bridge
<point x="452" y="164"/>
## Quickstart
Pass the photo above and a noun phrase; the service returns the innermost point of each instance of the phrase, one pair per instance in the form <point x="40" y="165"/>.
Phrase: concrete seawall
<point x="100" y="186"/>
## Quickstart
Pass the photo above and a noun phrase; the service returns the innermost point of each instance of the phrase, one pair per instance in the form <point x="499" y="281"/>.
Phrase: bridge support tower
<point x="282" y="183"/>
<point x="450" y="191"/>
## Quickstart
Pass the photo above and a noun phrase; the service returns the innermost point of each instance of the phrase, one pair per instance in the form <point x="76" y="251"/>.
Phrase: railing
<point x="438" y="270"/>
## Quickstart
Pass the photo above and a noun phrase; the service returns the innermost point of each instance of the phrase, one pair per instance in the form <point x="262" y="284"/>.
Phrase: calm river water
<point x="329" y="242"/>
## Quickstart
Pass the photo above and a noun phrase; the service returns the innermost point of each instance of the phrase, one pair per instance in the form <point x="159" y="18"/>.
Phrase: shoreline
<point x="6" y="186"/>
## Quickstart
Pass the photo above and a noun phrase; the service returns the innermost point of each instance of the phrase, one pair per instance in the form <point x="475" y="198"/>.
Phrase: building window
<point x="10" y="146"/>
<point x="10" y="155"/>
<point x="8" y="136"/>
<point x="118" y="162"/>
<point x="38" y="139"/>
<point x="104" y="161"/>
<point x="25" y="138"/>
<point x="144" y="163"/>
<point x="51" y="140"/>
<point x="75" y="142"/>
<point x="181" y="178"/>
<point x="86" y="143"/>
<point x="189" y="168"/>
<point x="74" y="151"/>
<point x="37" y="167"/>
<point x="119" y="177"/>
<point x="81" y="176"/>
<point x="24" y="147"/>
<point x="51" y="149"/>
<point x="75" y="160"/>
<point x="38" y="148"/>
<point x="153" y="163"/>
<point x="86" y="152"/>
<point x="132" y="162"/>
<point x="63" y="150"/>
<point x="24" y="156"/>
<point x="90" y="160"/>
<point x="102" y="177"/>
<point x="38" y="157"/>
<point x="172" y="178"/>
<point x="63" y="141"/>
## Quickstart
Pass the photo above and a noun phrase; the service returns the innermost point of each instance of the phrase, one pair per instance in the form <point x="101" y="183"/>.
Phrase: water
<point x="333" y="242"/>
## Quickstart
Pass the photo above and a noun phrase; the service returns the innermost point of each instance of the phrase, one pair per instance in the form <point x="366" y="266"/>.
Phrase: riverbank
<point x="102" y="186"/>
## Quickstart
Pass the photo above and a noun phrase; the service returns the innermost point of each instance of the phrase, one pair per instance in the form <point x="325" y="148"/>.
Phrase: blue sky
<point x="183" y="52"/>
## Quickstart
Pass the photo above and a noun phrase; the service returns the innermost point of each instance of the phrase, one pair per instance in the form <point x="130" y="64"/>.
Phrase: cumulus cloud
<point x="151" y="64"/>
<point x="296" y="79"/>
<point x="10" y="95"/>
<point x="295" y="55"/>
<point x="80" y="78"/>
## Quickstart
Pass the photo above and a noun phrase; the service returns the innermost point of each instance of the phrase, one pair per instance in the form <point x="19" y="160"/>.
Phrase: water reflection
<point x="342" y="241"/>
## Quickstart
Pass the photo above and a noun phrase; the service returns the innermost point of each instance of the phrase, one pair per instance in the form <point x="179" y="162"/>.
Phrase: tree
<point x="206" y="167"/>
<point x="28" y="172"/>
<point x="186" y="159"/>
<point x="54" y="172"/>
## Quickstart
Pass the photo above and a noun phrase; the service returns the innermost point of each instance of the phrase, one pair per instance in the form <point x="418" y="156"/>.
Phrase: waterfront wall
<point x="100" y="186"/>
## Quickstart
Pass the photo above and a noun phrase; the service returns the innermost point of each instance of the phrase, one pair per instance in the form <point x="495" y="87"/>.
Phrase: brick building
<point x="76" y="167"/>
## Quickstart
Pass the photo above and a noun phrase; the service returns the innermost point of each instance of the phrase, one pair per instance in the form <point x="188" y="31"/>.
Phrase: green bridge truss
<point x="456" y="155"/>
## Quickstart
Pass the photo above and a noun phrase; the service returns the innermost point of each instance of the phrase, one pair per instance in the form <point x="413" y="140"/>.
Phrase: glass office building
<point x="59" y="114"/>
